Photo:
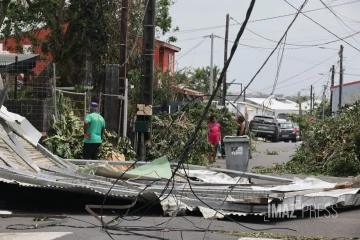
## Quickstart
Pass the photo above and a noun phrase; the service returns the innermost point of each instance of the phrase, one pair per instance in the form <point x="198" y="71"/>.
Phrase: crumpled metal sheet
<point x="299" y="185"/>
<point x="21" y="126"/>
<point x="214" y="177"/>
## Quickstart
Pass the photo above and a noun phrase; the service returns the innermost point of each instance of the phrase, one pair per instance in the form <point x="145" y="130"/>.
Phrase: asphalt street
<point x="345" y="223"/>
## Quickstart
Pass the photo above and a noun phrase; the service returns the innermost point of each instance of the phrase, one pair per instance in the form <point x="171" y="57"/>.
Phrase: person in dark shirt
<point x="241" y="126"/>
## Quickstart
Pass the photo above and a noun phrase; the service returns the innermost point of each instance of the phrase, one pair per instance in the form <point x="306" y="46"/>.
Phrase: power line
<point x="324" y="28"/>
<point x="339" y="19"/>
<point x="272" y="52"/>
<point x="300" y="45"/>
<point x="290" y="78"/>
<point x="279" y="65"/>
<point x="257" y="20"/>
<point x="197" y="45"/>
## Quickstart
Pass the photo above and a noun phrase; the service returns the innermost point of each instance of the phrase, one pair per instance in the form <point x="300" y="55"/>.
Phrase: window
<point x="171" y="63"/>
<point x="27" y="49"/>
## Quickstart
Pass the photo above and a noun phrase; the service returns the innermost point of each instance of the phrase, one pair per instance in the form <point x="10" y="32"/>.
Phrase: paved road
<point x="345" y="224"/>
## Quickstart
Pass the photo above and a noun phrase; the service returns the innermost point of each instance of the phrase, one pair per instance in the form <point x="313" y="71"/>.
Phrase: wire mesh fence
<point x="30" y="83"/>
<point x="77" y="102"/>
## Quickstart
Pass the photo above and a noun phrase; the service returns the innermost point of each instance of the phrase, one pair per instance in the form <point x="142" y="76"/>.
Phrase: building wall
<point x="351" y="94"/>
<point x="10" y="45"/>
<point x="251" y="110"/>
<point x="285" y="111"/>
<point x="168" y="60"/>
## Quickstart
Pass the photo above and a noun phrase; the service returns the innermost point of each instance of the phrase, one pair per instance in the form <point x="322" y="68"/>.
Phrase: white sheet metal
<point x="21" y="126"/>
<point x="214" y="177"/>
<point x="299" y="185"/>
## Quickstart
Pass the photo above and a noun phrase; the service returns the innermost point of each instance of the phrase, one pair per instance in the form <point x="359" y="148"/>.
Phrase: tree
<point x="3" y="9"/>
<point x="200" y="79"/>
<point x="80" y="32"/>
<point x="319" y="110"/>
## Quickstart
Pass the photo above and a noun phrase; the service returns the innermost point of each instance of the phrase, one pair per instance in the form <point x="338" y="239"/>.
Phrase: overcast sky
<point x="204" y="17"/>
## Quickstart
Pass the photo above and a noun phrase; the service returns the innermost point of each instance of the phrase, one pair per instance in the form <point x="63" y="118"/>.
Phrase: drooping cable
<point x="272" y="52"/>
<point x="296" y="75"/>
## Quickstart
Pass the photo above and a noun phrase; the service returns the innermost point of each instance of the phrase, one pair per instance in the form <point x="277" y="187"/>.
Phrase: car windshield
<point x="286" y="125"/>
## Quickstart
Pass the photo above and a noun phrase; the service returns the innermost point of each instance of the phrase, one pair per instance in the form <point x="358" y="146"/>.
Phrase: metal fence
<point x="31" y="89"/>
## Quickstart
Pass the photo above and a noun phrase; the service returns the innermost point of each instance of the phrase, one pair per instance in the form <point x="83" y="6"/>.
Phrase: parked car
<point x="287" y="131"/>
<point x="265" y="127"/>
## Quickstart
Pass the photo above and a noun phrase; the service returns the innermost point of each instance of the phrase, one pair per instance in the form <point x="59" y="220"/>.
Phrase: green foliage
<point x="332" y="146"/>
<point x="79" y="88"/>
<point x="319" y="110"/>
<point x="272" y="152"/>
<point x="170" y="140"/>
<point x="65" y="139"/>
<point x="83" y="36"/>
<point x="200" y="79"/>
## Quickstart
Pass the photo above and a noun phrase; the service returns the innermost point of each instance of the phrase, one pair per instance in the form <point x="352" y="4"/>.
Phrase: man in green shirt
<point x="94" y="126"/>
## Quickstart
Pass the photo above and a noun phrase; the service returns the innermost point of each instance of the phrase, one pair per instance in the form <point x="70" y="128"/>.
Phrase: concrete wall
<point x="250" y="110"/>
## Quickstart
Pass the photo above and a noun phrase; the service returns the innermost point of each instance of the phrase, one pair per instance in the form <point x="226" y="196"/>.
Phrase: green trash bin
<point x="237" y="152"/>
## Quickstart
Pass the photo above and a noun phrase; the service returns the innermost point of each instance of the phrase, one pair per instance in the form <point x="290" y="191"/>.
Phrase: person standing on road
<point x="94" y="126"/>
<point x="241" y="126"/>
<point x="214" y="135"/>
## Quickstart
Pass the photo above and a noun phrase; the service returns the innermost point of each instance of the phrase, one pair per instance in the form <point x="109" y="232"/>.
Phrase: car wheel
<point x="286" y="140"/>
<point x="294" y="140"/>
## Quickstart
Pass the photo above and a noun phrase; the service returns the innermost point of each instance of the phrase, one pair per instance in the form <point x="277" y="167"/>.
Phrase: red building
<point x="164" y="57"/>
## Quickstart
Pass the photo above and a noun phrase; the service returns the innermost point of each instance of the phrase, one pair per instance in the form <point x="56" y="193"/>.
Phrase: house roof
<point x="188" y="91"/>
<point x="24" y="62"/>
<point x="275" y="103"/>
<point x="170" y="46"/>
<point x="346" y="84"/>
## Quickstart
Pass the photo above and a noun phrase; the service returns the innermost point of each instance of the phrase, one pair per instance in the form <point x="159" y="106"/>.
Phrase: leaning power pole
<point x="341" y="76"/>
<point x="332" y="84"/>
<point x="225" y="56"/>
<point x="123" y="57"/>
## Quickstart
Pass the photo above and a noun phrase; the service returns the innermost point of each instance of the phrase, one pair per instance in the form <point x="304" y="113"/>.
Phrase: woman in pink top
<point x="214" y="136"/>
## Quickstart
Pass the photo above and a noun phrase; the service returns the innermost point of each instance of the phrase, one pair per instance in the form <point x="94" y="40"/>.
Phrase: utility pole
<point x="314" y="101"/>
<point x="332" y="84"/>
<point x="313" y="106"/>
<point x="311" y="100"/>
<point x="123" y="57"/>
<point x="323" y="103"/>
<point x="341" y="76"/>
<point x="299" y="102"/>
<point x="212" y="64"/>
<point x="225" y="55"/>
<point x="146" y="96"/>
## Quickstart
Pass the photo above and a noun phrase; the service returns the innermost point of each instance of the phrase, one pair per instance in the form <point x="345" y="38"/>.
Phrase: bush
<point x="65" y="138"/>
<point x="170" y="140"/>
<point x="332" y="146"/>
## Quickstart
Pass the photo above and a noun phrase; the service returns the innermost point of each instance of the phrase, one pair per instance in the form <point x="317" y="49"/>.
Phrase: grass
<point x="272" y="152"/>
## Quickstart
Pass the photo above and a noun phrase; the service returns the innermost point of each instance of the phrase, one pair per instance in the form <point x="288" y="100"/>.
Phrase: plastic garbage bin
<point x="237" y="152"/>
